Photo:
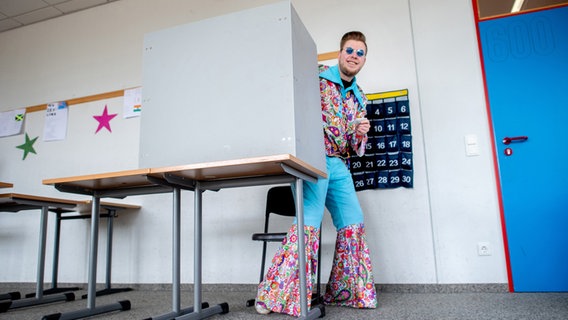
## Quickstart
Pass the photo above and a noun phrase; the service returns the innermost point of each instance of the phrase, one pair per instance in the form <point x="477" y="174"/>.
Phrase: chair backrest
<point x="280" y="200"/>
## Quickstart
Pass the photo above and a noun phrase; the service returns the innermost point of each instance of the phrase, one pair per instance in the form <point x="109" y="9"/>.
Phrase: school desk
<point x="198" y="178"/>
<point x="15" y="202"/>
<point x="80" y="212"/>
<point x="114" y="185"/>
<point x="5" y="185"/>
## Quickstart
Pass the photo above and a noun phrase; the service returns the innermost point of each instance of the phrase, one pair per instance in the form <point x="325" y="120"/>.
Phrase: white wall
<point x="428" y="234"/>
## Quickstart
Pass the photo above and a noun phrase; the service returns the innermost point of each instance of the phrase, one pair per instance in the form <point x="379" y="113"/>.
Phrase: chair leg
<point x="318" y="298"/>
<point x="250" y="302"/>
<point x="263" y="262"/>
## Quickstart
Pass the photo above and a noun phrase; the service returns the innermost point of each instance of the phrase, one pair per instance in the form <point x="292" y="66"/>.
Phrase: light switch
<point x="471" y="145"/>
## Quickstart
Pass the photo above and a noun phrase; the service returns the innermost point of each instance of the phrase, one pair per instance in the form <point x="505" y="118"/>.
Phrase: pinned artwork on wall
<point x="28" y="146"/>
<point x="104" y="120"/>
<point x="387" y="162"/>
<point x="55" y="127"/>
<point x="132" y="102"/>
<point x="12" y="122"/>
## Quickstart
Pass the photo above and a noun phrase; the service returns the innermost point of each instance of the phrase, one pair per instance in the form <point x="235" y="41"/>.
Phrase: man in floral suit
<point x="345" y="132"/>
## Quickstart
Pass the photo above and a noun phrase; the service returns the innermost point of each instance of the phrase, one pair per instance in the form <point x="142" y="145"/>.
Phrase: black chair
<point x="280" y="201"/>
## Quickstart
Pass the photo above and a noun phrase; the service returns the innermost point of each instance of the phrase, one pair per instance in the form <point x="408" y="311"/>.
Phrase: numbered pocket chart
<point x="387" y="162"/>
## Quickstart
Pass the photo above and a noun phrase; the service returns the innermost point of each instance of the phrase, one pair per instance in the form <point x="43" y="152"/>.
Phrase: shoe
<point x="260" y="308"/>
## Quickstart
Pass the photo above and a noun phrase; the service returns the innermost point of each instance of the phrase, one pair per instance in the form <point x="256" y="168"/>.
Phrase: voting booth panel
<point x="235" y="86"/>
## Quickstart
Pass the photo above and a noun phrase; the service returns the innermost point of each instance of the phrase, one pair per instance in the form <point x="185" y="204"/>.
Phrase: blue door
<point x="525" y="59"/>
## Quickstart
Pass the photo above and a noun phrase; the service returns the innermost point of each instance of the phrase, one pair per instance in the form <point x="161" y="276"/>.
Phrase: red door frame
<point x="492" y="132"/>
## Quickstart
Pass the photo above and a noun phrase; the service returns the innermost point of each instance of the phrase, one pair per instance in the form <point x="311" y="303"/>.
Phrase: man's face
<point x="351" y="63"/>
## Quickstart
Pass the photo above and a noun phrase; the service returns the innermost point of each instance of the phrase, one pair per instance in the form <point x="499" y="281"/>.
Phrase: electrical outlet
<point x="484" y="248"/>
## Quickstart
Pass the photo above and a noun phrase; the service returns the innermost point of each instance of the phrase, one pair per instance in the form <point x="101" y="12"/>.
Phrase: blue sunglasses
<point x="360" y="52"/>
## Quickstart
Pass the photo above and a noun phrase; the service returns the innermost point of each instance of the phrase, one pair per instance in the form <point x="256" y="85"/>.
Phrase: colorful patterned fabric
<point x="280" y="290"/>
<point x="351" y="281"/>
<point x="340" y="106"/>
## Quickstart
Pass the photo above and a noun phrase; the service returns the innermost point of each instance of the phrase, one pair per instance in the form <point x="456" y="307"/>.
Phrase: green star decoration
<point x="28" y="146"/>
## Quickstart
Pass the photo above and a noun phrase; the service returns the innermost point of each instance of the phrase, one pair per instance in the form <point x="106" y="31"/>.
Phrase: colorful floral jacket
<point x="340" y="107"/>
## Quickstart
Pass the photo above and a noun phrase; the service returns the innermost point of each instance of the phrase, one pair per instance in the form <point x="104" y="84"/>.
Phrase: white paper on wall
<point x="55" y="127"/>
<point x="132" y="102"/>
<point x="12" y="122"/>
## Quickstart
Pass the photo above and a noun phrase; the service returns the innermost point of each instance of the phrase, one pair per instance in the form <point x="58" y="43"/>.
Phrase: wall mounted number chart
<point x="387" y="162"/>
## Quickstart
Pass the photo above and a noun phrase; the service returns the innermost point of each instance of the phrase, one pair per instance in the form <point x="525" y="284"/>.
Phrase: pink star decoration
<point x="104" y="120"/>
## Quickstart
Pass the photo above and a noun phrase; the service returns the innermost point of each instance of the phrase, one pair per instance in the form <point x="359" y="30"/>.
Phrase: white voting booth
<point x="235" y="86"/>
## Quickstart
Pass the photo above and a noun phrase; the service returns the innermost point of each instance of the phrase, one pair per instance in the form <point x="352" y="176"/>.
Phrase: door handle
<point x="508" y="140"/>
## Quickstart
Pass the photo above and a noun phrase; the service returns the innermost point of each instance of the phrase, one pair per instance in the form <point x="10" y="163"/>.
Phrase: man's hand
<point x="362" y="126"/>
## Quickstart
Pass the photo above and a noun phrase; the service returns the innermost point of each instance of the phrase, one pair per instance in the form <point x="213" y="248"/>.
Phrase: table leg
<point x="91" y="309"/>
<point x="176" y="251"/>
<point x="197" y="246"/>
<point x="304" y="312"/>
<point x="111" y="213"/>
<point x="54" y="272"/>
<point x="92" y="278"/>
<point x="39" y="296"/>
<point x="176" y="264"/>
<point x="41" y="252"/>
<point x="198" y="312"/>
<point x="55" y="265"/>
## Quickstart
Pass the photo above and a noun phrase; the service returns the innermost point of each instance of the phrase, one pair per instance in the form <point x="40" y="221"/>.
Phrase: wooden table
<point x="14" y="202"/>
<point x="108" y="185"/>
<point x="198" y="178"/>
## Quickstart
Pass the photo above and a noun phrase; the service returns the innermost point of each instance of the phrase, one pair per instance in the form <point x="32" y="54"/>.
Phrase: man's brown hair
<point x="353" y="35"/>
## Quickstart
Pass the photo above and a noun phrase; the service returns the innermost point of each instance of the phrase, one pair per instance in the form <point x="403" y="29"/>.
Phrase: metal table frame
<point x="97" y="194"/>
<point x="175" y="179"/>
<point x="111" y="213"/>
<point x="293" y="176"/>
<point x="28" y="202"/>
<point x="10" y="295"/>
